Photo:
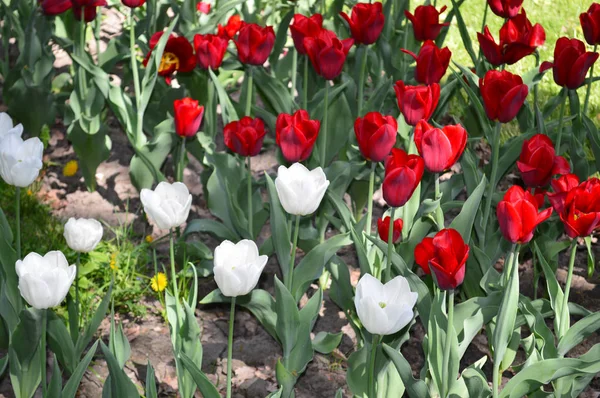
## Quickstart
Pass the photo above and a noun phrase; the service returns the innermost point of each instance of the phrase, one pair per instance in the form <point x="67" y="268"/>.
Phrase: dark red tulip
<point x="234" y="24"/>
<point x="366" y="22"/>
<point x="417" y="102"/>
<point x="203" y="8"/>
<point x="503" y="95"/>
<point x="571" y="63"/>
<point x="376" y="135"/>
<point x="383" y="228"/>
<point x="327" y="53"/>
<point x="55" y="7"/>
<point x="562" y="185"/>
<point x="505" y="8"/>
<point x="133" y="3"/>
<point x="580" y="210"/>
<point x="86" y="9"/>
<point x="403" y="174"/>
<point x="440" y="148"/>
<point x="432" y="62"/>
<point x="254" y="43"/>
<point x="590" y="23"/>
<point x="305" y="27"/>
<point x="296" y="135"/>
<point x="178" y="56"/>
<point x="538" y="161"/>
<point x="245" y="136"/>
<point x="210" y="50"/>
<point x="426" y="22"/>
<point x="446" y="255"/>
<point x="188" y="116"/>
<point x="518" y="215"/>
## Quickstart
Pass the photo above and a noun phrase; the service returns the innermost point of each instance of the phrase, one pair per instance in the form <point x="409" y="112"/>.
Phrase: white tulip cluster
<point x="20" y="161"/>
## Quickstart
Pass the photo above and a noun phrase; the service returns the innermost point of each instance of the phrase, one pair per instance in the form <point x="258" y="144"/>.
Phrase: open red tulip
<point x="440" y="148"/>
<point x="518" y="215"/>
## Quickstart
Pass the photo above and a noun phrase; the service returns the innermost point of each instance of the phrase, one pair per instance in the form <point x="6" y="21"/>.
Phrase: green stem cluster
<point x="446" y="356"/>
<point x="561" y="120"/>
<point x="371" y="370"/>
<point x="290" y="278"/>
<point x="368" y="226"/>
<point x="305" y="84"/>
<point x="249" y="194"/>
<point x="248" y="109"/>
<point x="18" y="221"/>
<point x="361" y="80"/>
<point x="564" y="321"/>
<point x="77" y="306"/>
<point x="439" y="214"/>
<point x="43" y="352"/>
<point x="493" y="177"/>
<point x="230" y="346"/>
<point x="589" y="86"/>
<point x="323" y="133"/>
<point x="390" y="250"/>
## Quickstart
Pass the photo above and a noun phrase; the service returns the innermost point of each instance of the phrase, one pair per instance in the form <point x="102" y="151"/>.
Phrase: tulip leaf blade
<point x="465" y="220"/>
<point x="325" y="342"/>
<point x="281" y="37"/>
<point x="464" y="32"/>
<point x="415" y="388"/>
<point x="55" y="385"/>
<point x="228" y="110"/>
<point x="207" y="389"/>
<point x="84" y="339"/>
<point x="212" y="227"/>
<point x="578" y="332"/>
<point x="117" y="384"/>
<point x="554" y="290"/>
<point x="150" y="391"/>
<point x="61" y="343"/>
<point x="70" y="389"/>
<point x="280" y="235"/>
<point x="537" y="324"/>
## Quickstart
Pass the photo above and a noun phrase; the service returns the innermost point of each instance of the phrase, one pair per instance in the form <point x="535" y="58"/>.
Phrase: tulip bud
<point x="580" y="210"/>
<point x="505" y="8"/>
<point x="503" y="95"/>
<point x="55" y="7"/>
<point x="133" y="3"/>
<point x="254" y="43"/>
<point x="86" y="9"/>
<point x="44" y="281"/>
<point x="20" y="161"/>
<point x="376" y="135"/>
<point x="518" y="215"/>
<point x="538" y="161"/>
<point x="234" y="23"/>
<point x="237" y="267"/>
<point x="168" y="205"/>
<point x="203" y="7"/>
<point x="296" y="135"/>
<point x="305" y="27"/>
<point x="188" y="117"/>
<point x="210" y="50"/>
<point x="571" y="63"/>
<point x="403" y="174"/>
<point x="432" y="62"/>
<point x="245" y="136"/>
<point x="366" y="22"/>
<point x="300" y="190"/>
<point x="417" y="102"/>
<point x="178" y="56"/>
<point x="327" y="53"/>
<point x="383" y="228"/>
<point x="590" y="23"/>
<point x="426" y="22"/>
<point x="83" y="235"/>
<point x="384" y="309"/>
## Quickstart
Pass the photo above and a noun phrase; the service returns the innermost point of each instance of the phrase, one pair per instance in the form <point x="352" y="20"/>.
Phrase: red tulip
<point x="133" y="3"/>
<point x="538" y="161"/>
<point x="416" y="102"/>
<point x="234" y="24"/>
<point x="366" y="22"/>
<point x="590" y="23"/>
<point x="327" y="53"/>
<point x="518" y="215"/>
<point x="55" y="7"/>
<point x="305" y="27"/>
<point x="86" y="9"/>
<point x="203" y="7"/>
<point x="539" y="195"/>
<point x="403" y="174"/>
<point x="383" y="228"/>
<point x="245" y="136"/>
<point x="426" y="22"/>
<point x="188" y="117"/>
<point x="178" y="56"/>
<point x="210" y="50"/>
<point x="571" y="63"/>
<point x="562" y="186"/>
<point x="440" y="148"/>
<point x="432" y="62"/>
<point x="580" y="211"/>
<point x="376" y="135"/>
<point x="296" y="135"/>
<point x="254" y="43"/>
<point x="503" y="95"/>
<point x="446" y="255"/>
<point x="505" y="8"/>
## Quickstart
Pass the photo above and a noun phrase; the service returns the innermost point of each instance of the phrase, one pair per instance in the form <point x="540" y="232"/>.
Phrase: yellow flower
<point x="159" y="282"/>
<point x="113" y="261"/>
<point x="70" y="168"/>
<point x="149" y="239"/>
<point x="29" y="192"/>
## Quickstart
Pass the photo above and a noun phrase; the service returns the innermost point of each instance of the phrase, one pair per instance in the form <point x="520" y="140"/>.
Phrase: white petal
<point x="35" y="291"/>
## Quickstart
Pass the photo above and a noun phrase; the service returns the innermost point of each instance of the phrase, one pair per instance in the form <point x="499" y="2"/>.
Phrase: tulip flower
<point x="580" y="209"/>
<point x="432" y="62"/>
<point x="518" y="215"/>
<point x="203" y="7"/>
<point x="133" y="3"/>
<point x="245" y="136"/>
<point x="376" y="135"/>
<point x="296" y="135"/>
<point x="538" y="161"/>
<point x="237" y="267"/>
<point x="305" y="27"/>
<point x="327" y="53"/>
<point x="7" y="127"/>
<point x="44" y="281"/>
<point x="439" y="147"/>
<point x="383" y="228"/>
<point x="20" y="161"/>
<point x="426" y="22"/>
<point x="178" y="56"/>
<point x="234" y="23"/>
<point x="571" y="63"/>
<point x="590" y="24"/>
<point x="168" y="205"/>
<point x="210" y="50"/>
<point x="55" y="7"/>
<point x="403" y="174"/>
<point x="188" y="117"/>
<point x="82" y="234"/>
<point x="417" y="102"/>
<point x="505" y="8"/>
<point x="562" y="186"/>
<point x="254" y="43"/>
<point x="300" y="190"/>
<point x="86" y="9"/>
<point x="503" y="95"/>
<point x="366" y="22"/>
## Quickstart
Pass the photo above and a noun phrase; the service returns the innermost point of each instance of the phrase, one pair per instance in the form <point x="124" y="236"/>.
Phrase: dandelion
<point x="149" y="239"/>
<point x="70" y="168"/>
<point x="113" y="261"/>
<point x="159" y="282"/>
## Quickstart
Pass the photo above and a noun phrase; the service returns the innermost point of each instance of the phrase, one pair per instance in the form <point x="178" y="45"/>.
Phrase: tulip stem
<point x="561" y="120"/>
<point x="305" y="84"/>
<point x="294" y="71"/>
<point x="18" y="221"/>
<point x="361" y="80"/>
<point x="81" y="71"/>
<point x="483" y="22"/>
<point x="372" y="357"/>
<point x="390" y="249"/>
<point x="589" y="87"/>
<point x="493" y="176"/>
<point x="323" y="134"/>
<point x="173" y="272"/>
<point x="249" y="193"/>
<point x="449" y="333"/>
<point x="230" y="346"/>
<point x="136" y="86"/>
<point x="368" y="226"/>
<point x="290" y="276"/>
<point x="507" y="270"/>
<point x="248" y="110"/>
<point x="439" y="214"/>
<point x="77" y="290"/>
<point x="43" y="350"/>
<point x="564" y="308"/>
<point x="181" y="163"/>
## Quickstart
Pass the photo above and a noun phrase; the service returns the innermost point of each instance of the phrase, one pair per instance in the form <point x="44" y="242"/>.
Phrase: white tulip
<point x="20" y="161"/>
<point x="237" y="267"/>
<point x="83" y="235"/>
<point x="6" y="126"/>
<point x="168" y="205"/>
<point x="44" y="281"/>
<point x="300" y="190"/>
<point x="384" y="309"/>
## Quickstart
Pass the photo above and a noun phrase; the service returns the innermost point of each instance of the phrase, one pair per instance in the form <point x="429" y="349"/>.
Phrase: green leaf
<point x="72" y="385"/>
<point x="149" y="159"/>
<point x="55" y="385"/>
<point x="118" y="384"/>
<point x="279" y="229"/>
<point x="228" y="111"/>
<point x="464" y="33"/>
<point x="325" y="342"/>
<point x="414" y="388"/>
<point x="118" y="343"/>
<point x="554" y="291"/>
<point x="578" y="332"/>
<point x="150" y="382"/>
<point x="212" y="227"/>
<point x="84" y="339"/>
<point x="207" y="389"/>
<point x="91" y="149"/>
<point x="26" y="337"/>
<point x="60" y="342"/>
<point x="463" y="223"/>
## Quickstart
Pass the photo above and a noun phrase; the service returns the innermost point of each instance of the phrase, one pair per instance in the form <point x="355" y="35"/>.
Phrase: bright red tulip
<point x="538" y="161"/>
<point x="446" y="255"/>
<point x="416" y="102"/>
<point x="571" y="63"/>
<point x="203" y="8"/>
<point x="580" y="211"/>
<point x="539" y="194"/>
<point x="432" y="62"/>
<point x="178" y="56"/>
<point x="305" y="27"/>
<point x="133" y="3"/>
<point x="403" y="174"/>
<point x="234" y="24"/>
<point x="188" y="117"/>
<point x="383" y="228"/>
<point x="505" y="8"/>
<point x="503" y="95"/>
<point x="86" y="9"/>
<point x="55" y="7"/>
<point x="254" y="43"/>
<point x="296" y="135"/>
<point x="210" y="50"/>
<point x="440" y="148"/>
<point x="327" y="53"/>
<point x="245" y="136"/>
<point x="366" y="22"/>
<point x="590" y="23"/>
<point x="562" y="186"/>
<point x="518" y="215"/>
<point x="426" y="22"/>
<point x="376" y="135"/>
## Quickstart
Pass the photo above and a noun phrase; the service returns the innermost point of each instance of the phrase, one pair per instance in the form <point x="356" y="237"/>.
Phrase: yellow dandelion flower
<point x="113" y="261"/>
<point x="113" y="265"/>
<point x="159" y="282"/>
<point x="29" y="192"/>
<point x="149" y="239"/>
<point x="70" y="168"/>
